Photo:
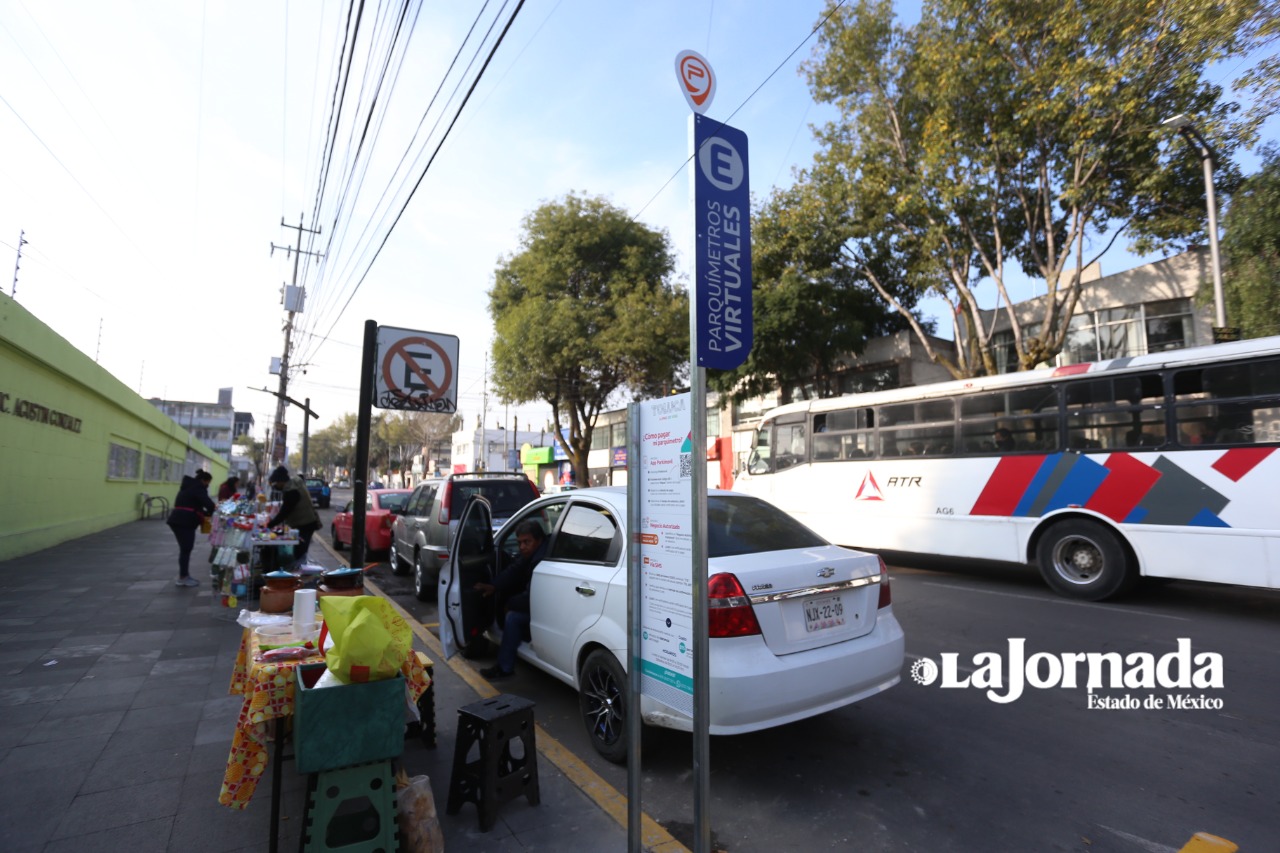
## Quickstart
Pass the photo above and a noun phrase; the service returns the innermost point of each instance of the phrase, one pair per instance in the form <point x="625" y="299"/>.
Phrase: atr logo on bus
<point x="1177" y="670"/>
<point x="869" y="489"/>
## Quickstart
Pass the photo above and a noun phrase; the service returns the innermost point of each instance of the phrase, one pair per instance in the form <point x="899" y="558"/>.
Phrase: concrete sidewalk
<point x="117" y="720"/>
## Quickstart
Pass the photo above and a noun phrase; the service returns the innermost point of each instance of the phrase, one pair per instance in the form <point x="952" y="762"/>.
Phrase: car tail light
<point x="444" y="504"/>
<point x="886" y="598"/>
<point x="729" y="612"/>
<point x="389" y="520"/>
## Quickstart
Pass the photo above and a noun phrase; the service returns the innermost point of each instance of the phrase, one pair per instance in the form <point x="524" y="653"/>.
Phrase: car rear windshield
<point x="505" y="496"/>
<point x="315" y="484"/>
<point x="745" y="525"/>
<point x="396" y="501"/>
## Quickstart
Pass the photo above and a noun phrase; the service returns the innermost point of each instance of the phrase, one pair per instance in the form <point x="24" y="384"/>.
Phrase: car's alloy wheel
<point x="398" y="565"/>
<point x="421" y="588"/>
<point x="602" y="698"/>
<point x="337" y="543"/>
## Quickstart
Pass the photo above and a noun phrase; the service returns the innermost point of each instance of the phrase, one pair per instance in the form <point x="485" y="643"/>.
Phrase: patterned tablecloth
<point x="268" y="695"/>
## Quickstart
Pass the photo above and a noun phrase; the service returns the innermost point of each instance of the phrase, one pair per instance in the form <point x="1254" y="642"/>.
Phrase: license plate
<point x="822" y="613"/>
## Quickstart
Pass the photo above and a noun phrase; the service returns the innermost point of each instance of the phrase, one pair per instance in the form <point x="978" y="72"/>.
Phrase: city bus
<point x="1164" y="465"/>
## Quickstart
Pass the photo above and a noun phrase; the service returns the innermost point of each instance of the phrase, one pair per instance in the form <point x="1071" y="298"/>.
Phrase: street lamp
<point x="1183" y="125"/>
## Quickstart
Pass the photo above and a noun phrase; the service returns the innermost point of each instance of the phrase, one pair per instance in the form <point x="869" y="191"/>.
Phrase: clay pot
<point x="277" y="595"/>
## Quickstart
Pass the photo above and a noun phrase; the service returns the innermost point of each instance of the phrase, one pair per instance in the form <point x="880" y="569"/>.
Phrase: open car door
<point x="465" y="614"/>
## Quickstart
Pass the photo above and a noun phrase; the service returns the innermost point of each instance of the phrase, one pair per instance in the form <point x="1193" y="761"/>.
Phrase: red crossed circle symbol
<point x="436" y="390"/>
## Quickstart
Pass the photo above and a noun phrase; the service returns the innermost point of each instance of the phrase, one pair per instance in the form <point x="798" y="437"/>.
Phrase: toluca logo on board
<point x="1006" y="677"/>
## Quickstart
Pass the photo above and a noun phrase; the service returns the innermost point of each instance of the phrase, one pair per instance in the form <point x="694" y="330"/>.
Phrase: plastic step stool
<point x="496" y="775"/>
<point x="352" y="810"/>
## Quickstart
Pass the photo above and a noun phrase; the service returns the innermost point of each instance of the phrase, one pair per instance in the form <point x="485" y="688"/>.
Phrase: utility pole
<point x="293" y="307"/>
<point x="22" y="241"/>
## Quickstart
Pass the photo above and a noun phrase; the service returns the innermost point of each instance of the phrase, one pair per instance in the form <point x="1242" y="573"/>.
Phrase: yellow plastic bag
<point x="370" y="640"/>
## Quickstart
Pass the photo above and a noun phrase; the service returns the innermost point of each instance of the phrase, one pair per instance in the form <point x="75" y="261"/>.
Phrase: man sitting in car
<point x="512" y="590"/>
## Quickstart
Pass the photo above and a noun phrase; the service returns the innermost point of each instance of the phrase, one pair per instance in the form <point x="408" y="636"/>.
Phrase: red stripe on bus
<point x="1006" y="485"/>
<point x="1236" y="463"/>
<point x="1126" y="484"/>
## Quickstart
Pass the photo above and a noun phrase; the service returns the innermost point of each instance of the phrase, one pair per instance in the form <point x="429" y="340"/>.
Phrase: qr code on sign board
<point x="686" y="464"/>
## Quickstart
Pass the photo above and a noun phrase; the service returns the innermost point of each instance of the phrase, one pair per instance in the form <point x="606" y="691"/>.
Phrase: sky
<point x="156" y="150"/>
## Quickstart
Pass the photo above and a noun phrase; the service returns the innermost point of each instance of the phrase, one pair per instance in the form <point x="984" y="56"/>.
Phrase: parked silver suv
<point x="423" y="530"/>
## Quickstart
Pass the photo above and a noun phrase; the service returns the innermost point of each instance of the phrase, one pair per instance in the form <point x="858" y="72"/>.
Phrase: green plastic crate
<point x="344" y="725"/>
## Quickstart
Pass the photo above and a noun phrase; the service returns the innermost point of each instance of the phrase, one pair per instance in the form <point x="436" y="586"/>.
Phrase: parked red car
<point x="377" y="519"/>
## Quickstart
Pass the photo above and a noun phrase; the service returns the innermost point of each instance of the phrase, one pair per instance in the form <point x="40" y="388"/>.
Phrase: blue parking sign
<point x="722" y="269"/>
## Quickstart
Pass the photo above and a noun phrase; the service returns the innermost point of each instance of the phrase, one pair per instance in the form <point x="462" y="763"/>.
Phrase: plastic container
<point x="349" y="724"/>
<point x="278" y="636"/>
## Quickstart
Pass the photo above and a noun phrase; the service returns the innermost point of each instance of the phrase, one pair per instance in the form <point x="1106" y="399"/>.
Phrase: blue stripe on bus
<point x="1207" y="518"/>
<point x="1037" y="483"/>
<point x="1136" y="516"/>
<point x="1078" y="485"/>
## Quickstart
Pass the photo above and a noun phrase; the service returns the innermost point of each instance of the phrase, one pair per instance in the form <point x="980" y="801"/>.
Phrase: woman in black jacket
<point x="190" y="506"/>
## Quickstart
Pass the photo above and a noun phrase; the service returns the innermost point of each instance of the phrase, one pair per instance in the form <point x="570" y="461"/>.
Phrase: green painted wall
<point x="60" y="415"/>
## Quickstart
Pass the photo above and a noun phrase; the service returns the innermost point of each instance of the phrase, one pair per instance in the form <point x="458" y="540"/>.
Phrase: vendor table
<point x="268" y="700"/>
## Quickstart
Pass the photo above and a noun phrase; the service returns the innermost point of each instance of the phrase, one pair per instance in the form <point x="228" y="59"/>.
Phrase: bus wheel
<point x="1084" y="559"/>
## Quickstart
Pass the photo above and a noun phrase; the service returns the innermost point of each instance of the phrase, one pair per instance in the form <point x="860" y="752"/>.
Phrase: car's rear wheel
<point x="337" y="543"/>
<point x="1084" y="559"/>
<point x="398" y="566"/>
<point x="602" y="698"/>
<point x="423" y="586"/>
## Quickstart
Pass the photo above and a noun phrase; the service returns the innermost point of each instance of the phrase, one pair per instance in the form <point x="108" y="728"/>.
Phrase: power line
<point x="370" y="225"/>
<point x="423" y="175"/>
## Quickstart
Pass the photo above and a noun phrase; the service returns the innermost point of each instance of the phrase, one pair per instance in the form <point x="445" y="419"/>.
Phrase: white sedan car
<point x="798" y="626"/>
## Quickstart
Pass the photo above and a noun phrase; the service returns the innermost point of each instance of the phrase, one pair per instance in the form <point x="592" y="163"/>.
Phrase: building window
<point x="1129" y="330"/>
<point x="122" y="462"/>
<point x="1169" y="325"/>
<point x="860" y="381"/>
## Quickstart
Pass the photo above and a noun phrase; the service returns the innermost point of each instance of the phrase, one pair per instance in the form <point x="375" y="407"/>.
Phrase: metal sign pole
<point x="698" y="506"/>
<point x="701" y="652"/>
<point x="635" y="603"/>
<point x="363" y="417"/>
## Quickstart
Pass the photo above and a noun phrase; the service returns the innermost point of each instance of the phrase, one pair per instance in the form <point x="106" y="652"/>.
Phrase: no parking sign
<point x="416" y="371"/>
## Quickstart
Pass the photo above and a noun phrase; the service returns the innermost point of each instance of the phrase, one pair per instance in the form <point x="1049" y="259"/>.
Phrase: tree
<point x="1251" y="251"/>
<point x="407" y="434"/>
<point x="586" y="308"/>
<point x="334" y="447"/>
<point x="998" y="135"/>
<point x="809" y="308"/>
<point x="254" y="449"/>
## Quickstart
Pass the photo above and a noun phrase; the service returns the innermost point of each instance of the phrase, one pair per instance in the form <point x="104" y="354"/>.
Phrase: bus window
<point x="926" y="428"/>
<point x="761" y="461"/>
<point x="1228" y="404"/>
<point x="792" y="449"/>
<point x="843" y="434"/>
<point x="1116" y="413"/>
<point x="1010" y="421"/>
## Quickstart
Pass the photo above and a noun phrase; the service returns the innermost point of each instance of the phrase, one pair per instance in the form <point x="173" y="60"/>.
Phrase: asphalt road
<point x="931" y="768"/>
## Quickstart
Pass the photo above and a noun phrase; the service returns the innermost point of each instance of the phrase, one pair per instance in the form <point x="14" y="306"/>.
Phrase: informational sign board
<point x="664" y="466"/>
<point x="722" y="247"/>
<point x="416" y="371"/>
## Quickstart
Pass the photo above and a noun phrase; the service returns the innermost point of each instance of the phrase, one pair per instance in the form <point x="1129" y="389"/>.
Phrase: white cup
<point x="304" y="612"/>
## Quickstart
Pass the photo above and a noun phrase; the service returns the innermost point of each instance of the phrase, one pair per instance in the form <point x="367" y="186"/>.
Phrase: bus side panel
<point x="920" y="506"/>
<point x="1222" y="556"/>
